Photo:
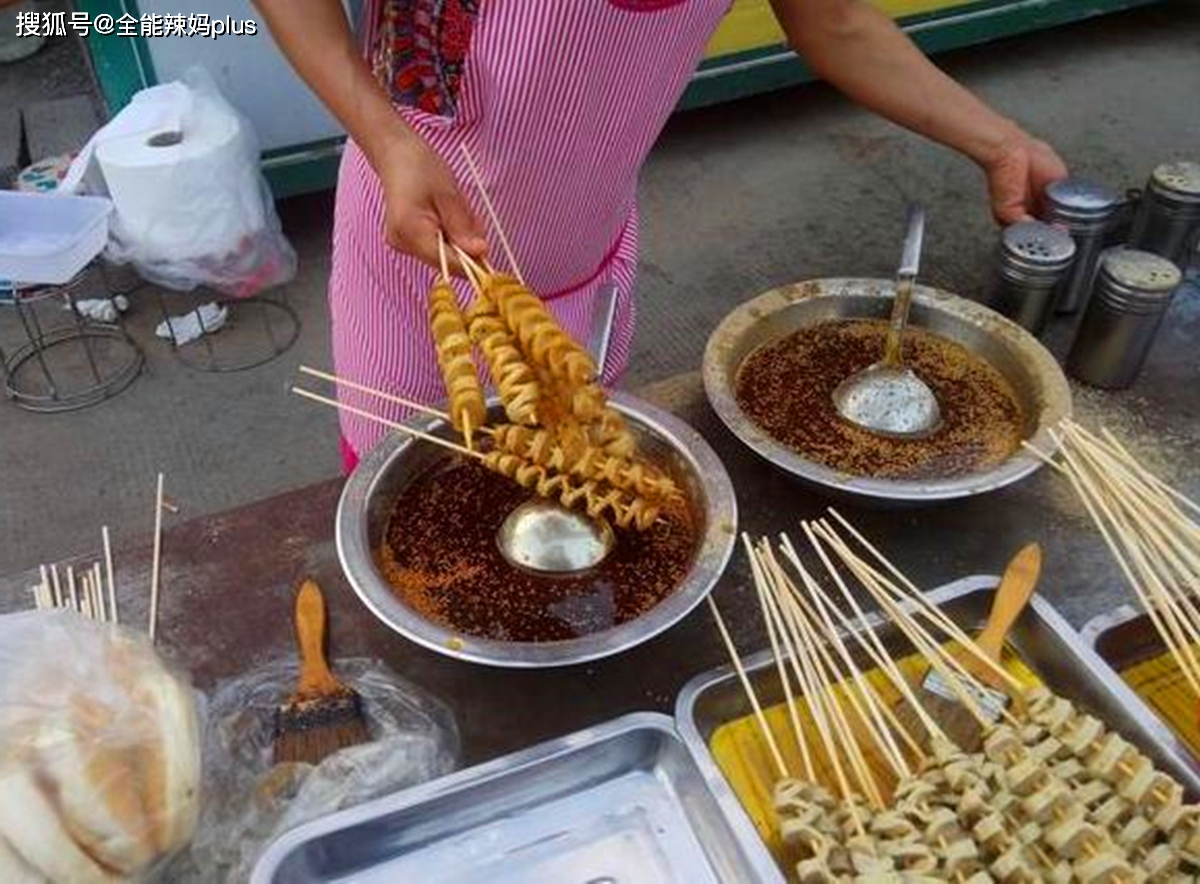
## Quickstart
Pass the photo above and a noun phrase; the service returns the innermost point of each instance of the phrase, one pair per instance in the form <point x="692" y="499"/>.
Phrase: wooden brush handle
<point x="315" y="677"/>
<point x="1020" y="578"/>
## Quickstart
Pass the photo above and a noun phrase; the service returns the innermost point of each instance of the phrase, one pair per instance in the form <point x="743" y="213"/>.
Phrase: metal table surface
<point x="228" y="579"/>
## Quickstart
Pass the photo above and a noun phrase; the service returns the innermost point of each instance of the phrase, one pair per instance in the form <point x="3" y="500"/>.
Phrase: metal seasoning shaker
<point x="1168" y="217"/>
<point x="1088" y="211"/>
<point x="1033" y="258"/>
<point x="1132" y="293"/>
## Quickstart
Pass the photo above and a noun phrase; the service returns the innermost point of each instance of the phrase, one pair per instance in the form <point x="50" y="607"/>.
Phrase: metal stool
<point x="68" y="365"/>
<point x="237" y="347"/>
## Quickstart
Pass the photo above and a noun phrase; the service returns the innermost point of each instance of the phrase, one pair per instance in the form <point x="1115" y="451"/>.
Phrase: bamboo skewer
<point x="1163" y="614"/>
<point x="383" y="421"/>
<point x="828" y="677"/>
<point x="883" y="718"/>
<point x="1146" y="474"/>
<point x="1155" y="599"/>
<point x="914" y="596"/>
<point x="85" y="597"/>
<point x="939" y="659"/>
<point x="774" y="626"/>
<point x="879" y="655"/>
<point x="108" y="573"/>
<point x="491" y="209"/>
<point x="72" y="593"/>
<point x="98" y="586"/>
<point x="806" y="676"/>
<point x="841" y="676"/>
<point x="899" y="767"/>
<point x="768" y="736"/>
<point x="481" y="271"/>
<point x="1152" y="506"/>
<point x="371" y="391"/>
<point x="816" y="707"/>
<point x="442" y="259"/>
<point x="156" y="560"/>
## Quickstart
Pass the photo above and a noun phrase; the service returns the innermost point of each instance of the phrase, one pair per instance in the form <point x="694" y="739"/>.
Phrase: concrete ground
<point x="735" y="199"/>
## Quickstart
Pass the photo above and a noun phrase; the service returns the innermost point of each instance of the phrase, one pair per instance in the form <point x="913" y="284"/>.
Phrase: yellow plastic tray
<point x="1162" y="686"/>
<point x="743" y="757"/>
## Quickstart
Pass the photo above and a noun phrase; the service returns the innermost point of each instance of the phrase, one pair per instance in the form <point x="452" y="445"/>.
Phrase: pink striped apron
<point x="560" y="102"/>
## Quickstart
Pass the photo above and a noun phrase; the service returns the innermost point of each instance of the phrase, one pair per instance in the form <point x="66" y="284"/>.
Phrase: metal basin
<point x="382" y="476"/>
<point x="1035" y="376"/>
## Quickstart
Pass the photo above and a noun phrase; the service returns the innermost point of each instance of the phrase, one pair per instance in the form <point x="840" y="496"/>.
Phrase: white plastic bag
<point x="99" y="752"/>
<point x="248" y="802"/>
<point x="191" y="205"/>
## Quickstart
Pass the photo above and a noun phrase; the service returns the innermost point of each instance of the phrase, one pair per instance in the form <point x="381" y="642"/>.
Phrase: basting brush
<point x="988" y="690"/>
<point x="324" y="714"/>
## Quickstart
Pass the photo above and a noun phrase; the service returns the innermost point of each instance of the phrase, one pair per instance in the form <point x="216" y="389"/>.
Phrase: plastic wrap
<point x="99" y="752"/>
<point x="249" y="802"/>
<point x="192" y="207"/>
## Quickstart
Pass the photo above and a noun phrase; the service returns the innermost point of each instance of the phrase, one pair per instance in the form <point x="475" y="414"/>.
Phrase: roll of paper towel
<point x="183" y="195"/>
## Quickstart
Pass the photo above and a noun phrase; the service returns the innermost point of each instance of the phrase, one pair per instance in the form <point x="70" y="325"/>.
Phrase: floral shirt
<point x="419" y="51"/>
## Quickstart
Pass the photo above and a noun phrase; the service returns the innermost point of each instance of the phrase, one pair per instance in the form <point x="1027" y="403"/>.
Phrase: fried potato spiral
<point x="585" y="462"/>
<point x="598" y="500"/>
<point x="514" y="379"/>
<point x="449" y="330"/>
<point x="538" y="332"/>
<point x="613" y="435"/>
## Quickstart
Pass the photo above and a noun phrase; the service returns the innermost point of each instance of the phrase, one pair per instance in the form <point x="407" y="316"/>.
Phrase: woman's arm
<point x="861" y="51"/>
<point x="421" y="194"/>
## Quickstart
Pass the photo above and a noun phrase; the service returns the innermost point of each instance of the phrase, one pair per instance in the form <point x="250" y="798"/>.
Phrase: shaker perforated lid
<point x="1038" y="246"/>
<point x="1180" y="181"/>
<point x="1080" y="200"/>
<point x="1142" y="273"/>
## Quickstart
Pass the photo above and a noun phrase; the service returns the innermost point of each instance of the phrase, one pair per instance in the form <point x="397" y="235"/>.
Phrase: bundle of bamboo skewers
<point x="94" y="593"/>
<point x="1151" y="530"/>
<point x="1053" y="796"/>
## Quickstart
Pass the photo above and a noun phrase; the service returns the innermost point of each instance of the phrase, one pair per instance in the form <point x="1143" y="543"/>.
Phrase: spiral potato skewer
<point x="613" y="434"/>
<point x="540" y="447"/>
<point x="449" y="330"/>
<point x="600" y="502"/>
<point x="539" y="332"/>
<point x="514" y="379"/>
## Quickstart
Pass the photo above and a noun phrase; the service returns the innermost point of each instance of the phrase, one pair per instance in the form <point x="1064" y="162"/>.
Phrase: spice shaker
<point x="1088" y="211"/>
<point x="1033" y="259"/>
<point x="1168" y="217"/>
<point x="1132" y="292"/>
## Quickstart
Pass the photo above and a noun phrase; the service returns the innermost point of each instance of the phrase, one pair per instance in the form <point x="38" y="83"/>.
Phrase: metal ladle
<point x="541" y="535"/>
<point x="887" y="398"/>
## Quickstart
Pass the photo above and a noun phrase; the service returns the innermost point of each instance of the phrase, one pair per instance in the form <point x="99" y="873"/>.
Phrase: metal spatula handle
<point x="604" y="314"/>
<point x="914" y="240"/>
<point x="906" y="275"/>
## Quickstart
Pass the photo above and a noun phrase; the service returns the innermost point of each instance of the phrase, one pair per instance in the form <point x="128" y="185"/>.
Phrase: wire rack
<point x="67" y="359"/>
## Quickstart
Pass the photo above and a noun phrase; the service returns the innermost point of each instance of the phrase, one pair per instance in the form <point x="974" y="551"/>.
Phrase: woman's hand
<point x="1018" y="170"/>
<point x="420" y="193"/>
<point x="862" y="52"/>
<point x="422" y="197"/>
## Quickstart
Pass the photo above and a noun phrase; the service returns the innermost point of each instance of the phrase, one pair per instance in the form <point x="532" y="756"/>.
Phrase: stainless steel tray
<point x="1125" y="637"/>
<point x="1041" y="637"/>
<point x="621" y="803"/>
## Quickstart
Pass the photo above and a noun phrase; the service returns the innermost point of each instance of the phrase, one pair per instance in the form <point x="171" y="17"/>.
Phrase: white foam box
<point x="46" y="239"/>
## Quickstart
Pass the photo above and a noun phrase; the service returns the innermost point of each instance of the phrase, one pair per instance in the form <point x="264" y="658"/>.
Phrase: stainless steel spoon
<point x="887" y="398"/>
<point x="541" y="535"/>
